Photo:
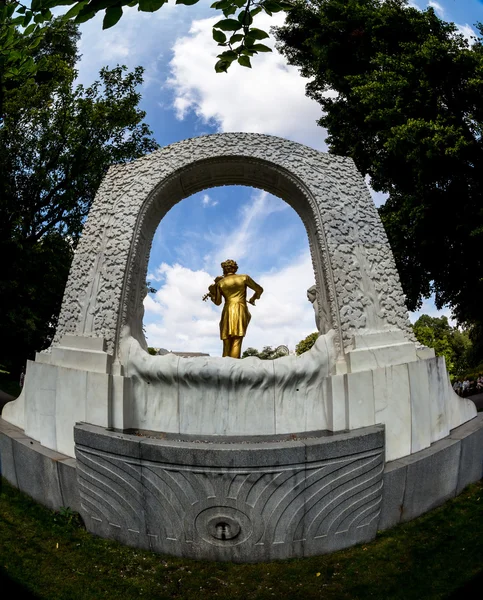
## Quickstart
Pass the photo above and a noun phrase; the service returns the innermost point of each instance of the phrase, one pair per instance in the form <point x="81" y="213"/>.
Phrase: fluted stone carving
<point x="303" y="498"/>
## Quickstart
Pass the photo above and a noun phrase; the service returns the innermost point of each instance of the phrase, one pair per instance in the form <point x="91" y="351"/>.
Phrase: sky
<point x="183" y="97"/>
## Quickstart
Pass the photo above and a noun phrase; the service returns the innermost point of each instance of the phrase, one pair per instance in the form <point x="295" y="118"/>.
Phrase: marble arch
<point x="354" y="268"/>
<point x="358" y="373"/>
<point x="240" y="445"/>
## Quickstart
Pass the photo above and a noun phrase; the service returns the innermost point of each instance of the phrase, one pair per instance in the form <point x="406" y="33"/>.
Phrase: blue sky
<point x="183" y="97"/>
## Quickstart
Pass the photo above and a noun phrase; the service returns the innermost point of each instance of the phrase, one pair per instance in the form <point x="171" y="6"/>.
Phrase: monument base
<point x="242" y="502"/>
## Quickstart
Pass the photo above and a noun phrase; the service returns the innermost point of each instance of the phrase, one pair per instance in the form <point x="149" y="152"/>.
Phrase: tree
<point x="401" y="93"/>
<point x="18" y="39"/>
<point x="447" y="341"/>
<point x="56" y="144"/>
<point x="306" y="343"/>
<point x="250" y="352"/>
<point x="268" y="353"/>
<point x="239" y="39"/>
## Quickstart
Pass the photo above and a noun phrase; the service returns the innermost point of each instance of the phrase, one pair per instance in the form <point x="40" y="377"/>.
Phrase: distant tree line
<point x="453" y="343"/>
<point x="268" y="353"/>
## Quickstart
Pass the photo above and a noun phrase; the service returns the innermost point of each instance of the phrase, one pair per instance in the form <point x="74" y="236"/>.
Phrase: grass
<point x="49" y="555"/>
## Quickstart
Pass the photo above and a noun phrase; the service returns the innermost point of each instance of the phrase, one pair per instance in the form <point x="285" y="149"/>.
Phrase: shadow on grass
<point x="471" y="590"/>
<point x="15" y="589"/>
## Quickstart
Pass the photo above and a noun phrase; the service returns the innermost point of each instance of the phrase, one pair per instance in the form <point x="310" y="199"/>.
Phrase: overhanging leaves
<point x="112" y="16"/>
<point x="243" y="12"/>
<point x="228" y="25"/>
<point x="151" y="5"/>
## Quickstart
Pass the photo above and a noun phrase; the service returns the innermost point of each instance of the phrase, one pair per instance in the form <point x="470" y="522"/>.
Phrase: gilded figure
<point x="235" y="315"/>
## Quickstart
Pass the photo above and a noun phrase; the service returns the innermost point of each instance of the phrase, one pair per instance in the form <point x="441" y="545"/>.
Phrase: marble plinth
<point x="242" y="502"/>
<point x="254" y="501"/>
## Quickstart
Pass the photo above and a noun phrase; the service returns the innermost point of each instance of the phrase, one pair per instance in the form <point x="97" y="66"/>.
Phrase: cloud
<point x="270" y="98"/>
<point x="437" y="7"/>
<point x="183" y="322"/>
<point x="251" y="233"/>
<point x="207" y="201"/>
<point x="467" y="32"/>
<point x="239" y="241"/>
<point x="139" y="38"/>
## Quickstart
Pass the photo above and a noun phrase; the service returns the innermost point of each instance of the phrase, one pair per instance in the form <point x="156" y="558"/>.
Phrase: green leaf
<point x="249" y="40"/>
<point x="187" y="2"/>
<point x="29" y="29"/>
<point x="15" y="55"/>
<point x="231" y="10"/>
<point x="11" y="9"/>
<point x="260" y="48"/>
<point x="222" y="66"/>
<point x="112" y="16"/>
<point x="237" y="37"/>
<point x="245" y="18"/>
<point x="255" y="11"/>
<point x="221" y="5"/>
<point x="239" y="3"/>
<point x="219" y="36"/>
<point x="133" y="3"/>
<point x="258" y="34"/>
<point x="244" y="61"/>
<point x="151" y="5"/>
<point x="36" y="5"/>
<point x="228" y="25"/>
<point x="75" y="10"/>
<point x="27" y="19"/>
<point x="18" y="20"/>
<point x="272" y="6"/>
<point x="21" y="10"/>
<point x="35" y="42"/>
<point x="11" y="73"/>
<point x="82" y="17"/>
<point x="229" y="55"/>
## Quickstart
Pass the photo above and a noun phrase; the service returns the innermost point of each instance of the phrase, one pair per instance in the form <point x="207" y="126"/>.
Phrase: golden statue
<point x="235" y="315"/>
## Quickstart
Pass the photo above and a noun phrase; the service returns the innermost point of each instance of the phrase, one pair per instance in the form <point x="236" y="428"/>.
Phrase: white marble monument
<point x="365" y="369"/>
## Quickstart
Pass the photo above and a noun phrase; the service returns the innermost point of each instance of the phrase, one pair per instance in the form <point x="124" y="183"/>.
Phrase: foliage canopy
<point x="401" y="93"/>
<point x="447" y="341"/>
<point x="238" y="38"/>
<point x="56" y="143"/>
<point x="306" y="343"/>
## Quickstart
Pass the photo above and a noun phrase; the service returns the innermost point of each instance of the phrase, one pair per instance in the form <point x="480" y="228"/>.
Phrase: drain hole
<point x="223" y="531"/>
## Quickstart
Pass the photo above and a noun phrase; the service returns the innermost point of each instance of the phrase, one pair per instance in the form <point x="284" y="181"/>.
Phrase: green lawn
<point x="49" y="555"/>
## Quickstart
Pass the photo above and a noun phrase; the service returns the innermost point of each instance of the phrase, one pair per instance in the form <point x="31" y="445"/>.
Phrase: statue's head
<point x="229" y="267"/>
<point x="312" y="294"/>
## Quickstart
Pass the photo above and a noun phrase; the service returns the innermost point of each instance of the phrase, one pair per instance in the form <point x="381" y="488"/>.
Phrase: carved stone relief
<point x="263" y="510"/>
<point x="357" y="283"/>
